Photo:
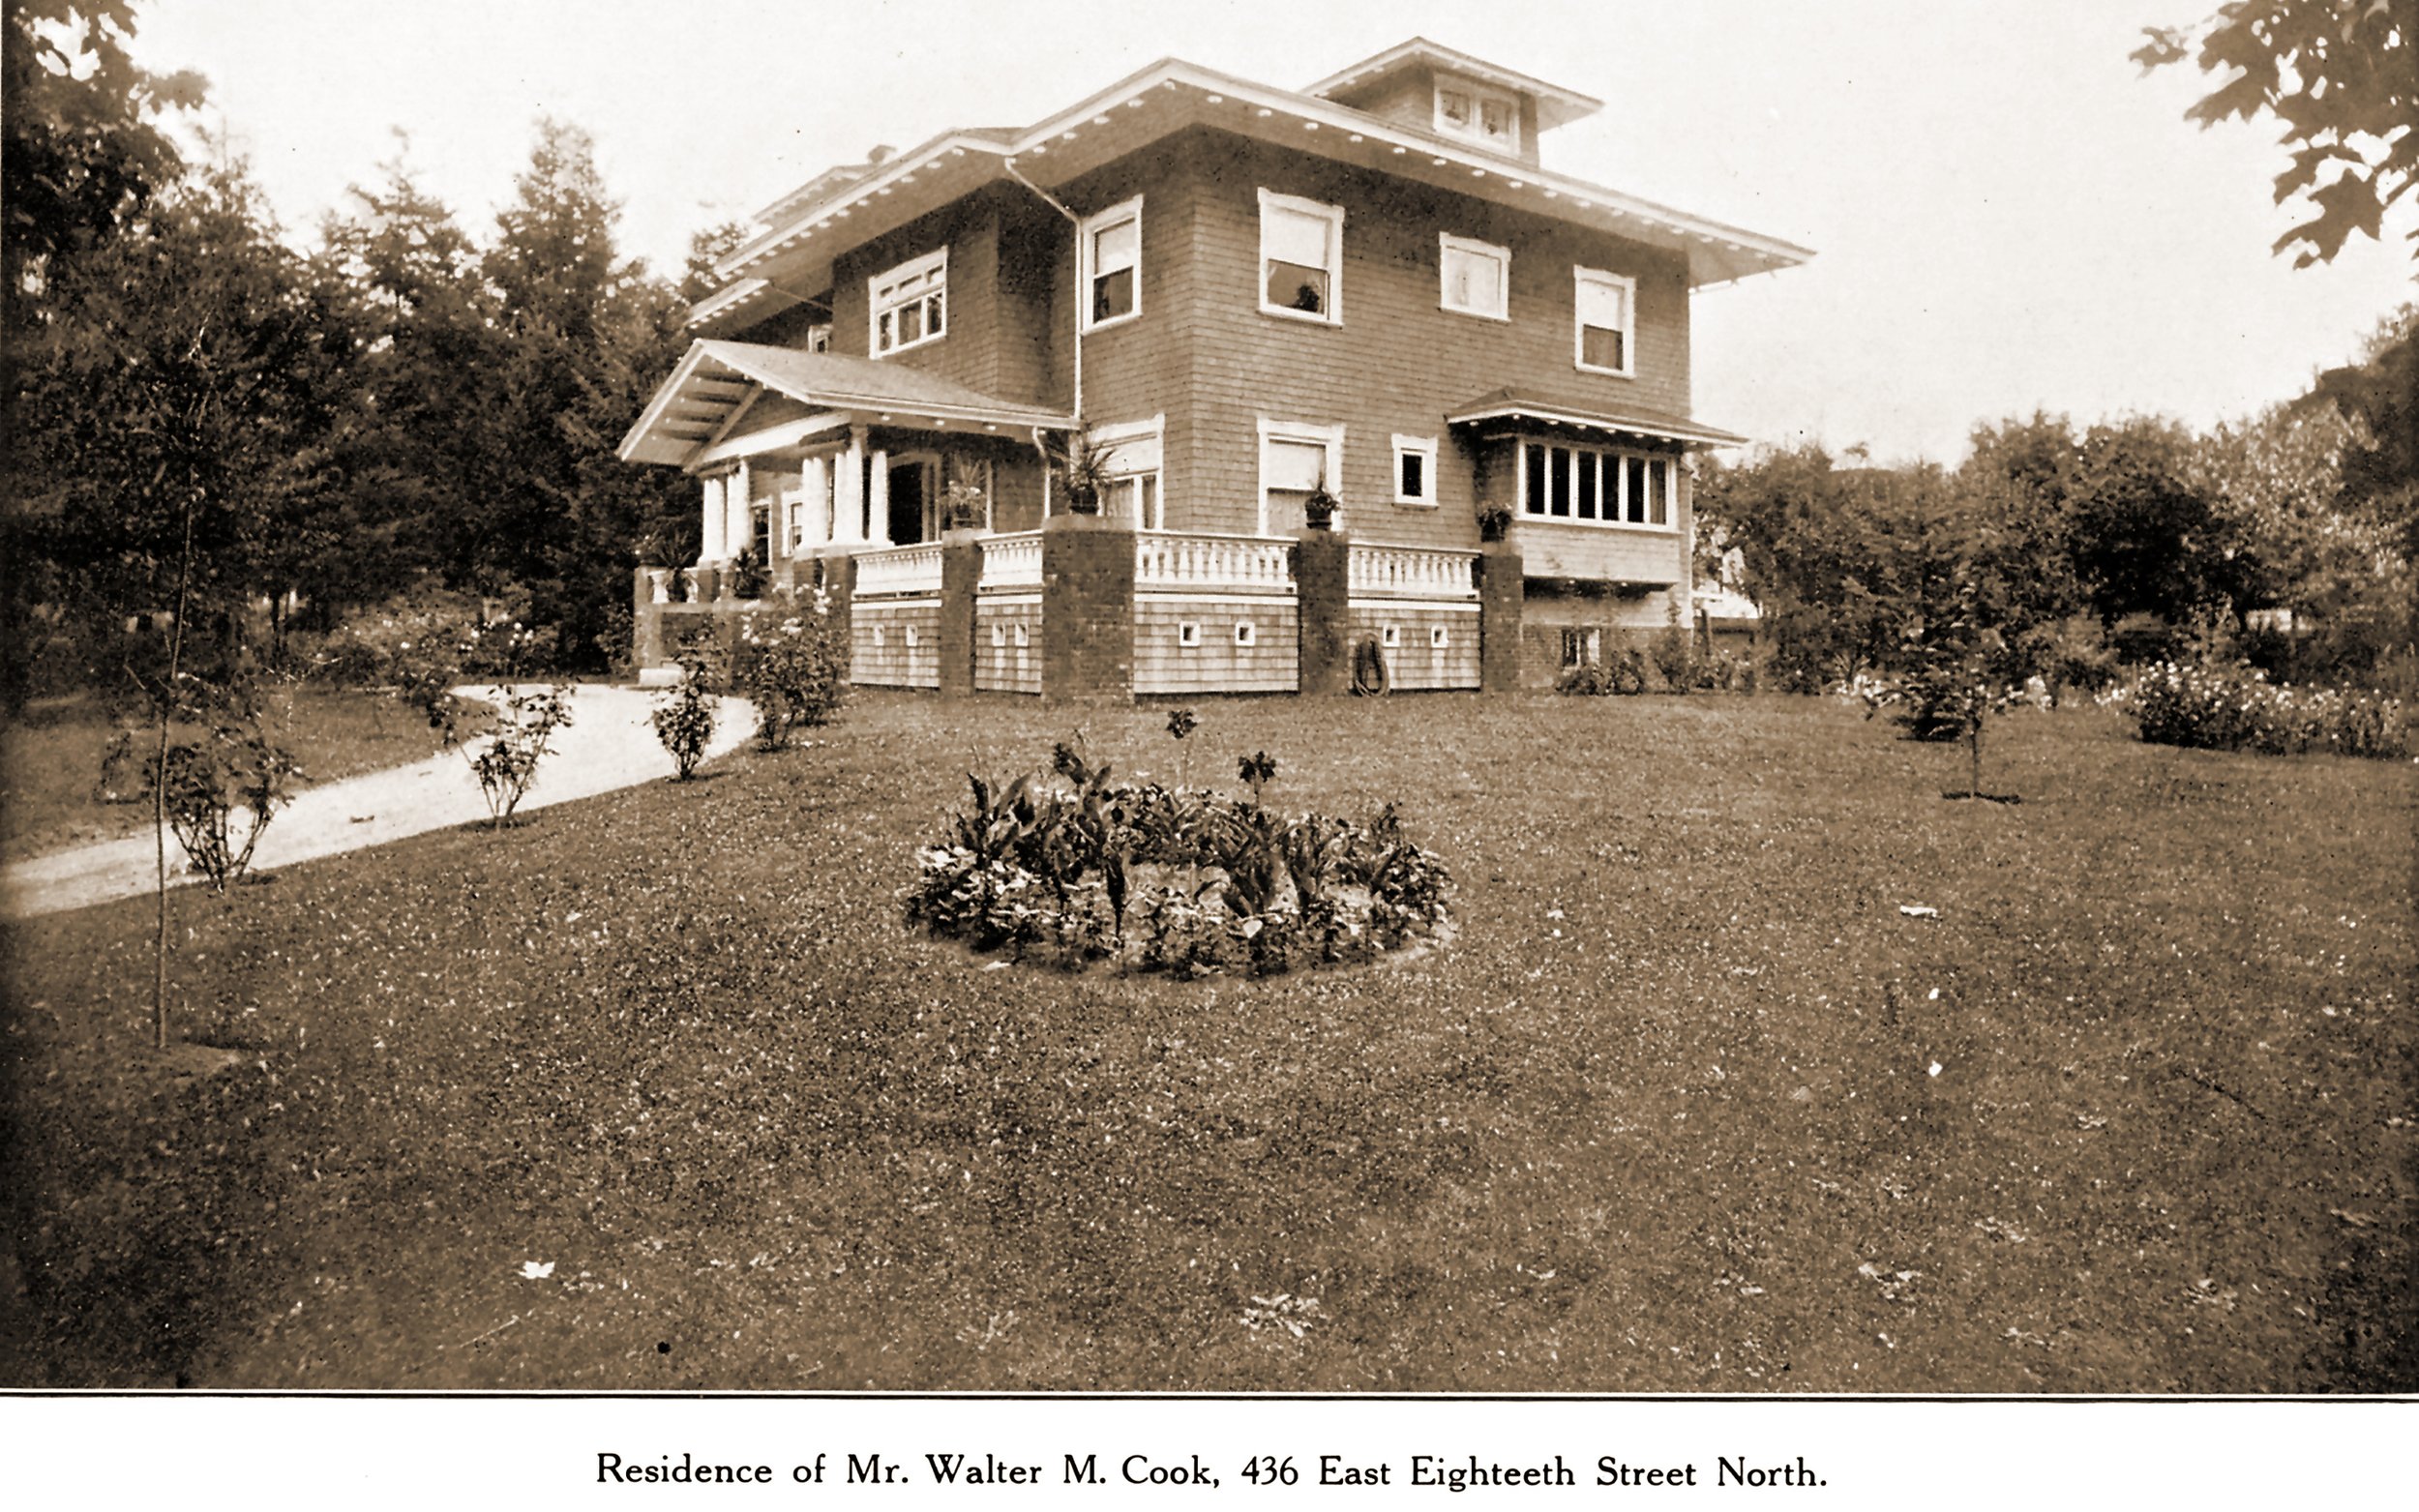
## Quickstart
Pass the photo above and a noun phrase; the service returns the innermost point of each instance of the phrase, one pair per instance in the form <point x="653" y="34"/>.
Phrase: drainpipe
<point x="1077" y="308"/>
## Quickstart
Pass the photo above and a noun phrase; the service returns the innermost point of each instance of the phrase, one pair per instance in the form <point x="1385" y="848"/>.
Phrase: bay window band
<point x="1592" y="485"/>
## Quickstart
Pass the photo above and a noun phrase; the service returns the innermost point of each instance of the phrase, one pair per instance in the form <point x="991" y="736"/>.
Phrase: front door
<point x="912" y="501"/>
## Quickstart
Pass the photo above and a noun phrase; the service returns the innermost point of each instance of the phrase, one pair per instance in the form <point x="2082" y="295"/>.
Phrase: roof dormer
<point x="1457" y="97"/>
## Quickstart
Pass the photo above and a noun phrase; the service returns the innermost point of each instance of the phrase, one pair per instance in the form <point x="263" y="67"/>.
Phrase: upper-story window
<point x="1113" y="264"/>
<point x="910" y="304"/>
<point x="1607" y="322"/>
<point x="1302" y="257"/>
<point x="1479" y="115"/>
<point x="1477" y="276"/>
<point x="1133" y="465"/>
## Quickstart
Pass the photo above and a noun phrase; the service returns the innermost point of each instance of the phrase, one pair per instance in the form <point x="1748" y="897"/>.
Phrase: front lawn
<point x="52" y="761"/>
<point x="1688" y="1103"/>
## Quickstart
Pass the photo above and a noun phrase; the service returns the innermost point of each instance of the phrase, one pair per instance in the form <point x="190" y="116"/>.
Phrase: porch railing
<point x="899" y="569"/>
<point x="1254" y="563"/>
<point x="1403" y="572"/>
<point x="1012" y="561"/>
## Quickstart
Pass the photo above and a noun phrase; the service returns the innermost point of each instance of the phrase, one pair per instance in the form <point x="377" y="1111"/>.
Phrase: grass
<point x="51" y="761"/>
<point x="1689" y="1105"/>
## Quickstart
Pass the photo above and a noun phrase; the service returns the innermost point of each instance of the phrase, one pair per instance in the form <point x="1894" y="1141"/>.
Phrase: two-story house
<point x="1371" y="287"/>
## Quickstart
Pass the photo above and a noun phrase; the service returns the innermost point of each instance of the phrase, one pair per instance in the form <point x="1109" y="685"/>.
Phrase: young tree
<point x="2342" y="75"/>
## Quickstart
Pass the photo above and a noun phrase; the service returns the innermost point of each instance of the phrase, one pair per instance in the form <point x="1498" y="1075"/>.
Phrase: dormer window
<point x="1485" y="116"/>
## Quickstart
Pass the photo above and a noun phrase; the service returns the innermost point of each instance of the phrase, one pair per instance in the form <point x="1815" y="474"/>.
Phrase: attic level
<point x="1455" y="96"/>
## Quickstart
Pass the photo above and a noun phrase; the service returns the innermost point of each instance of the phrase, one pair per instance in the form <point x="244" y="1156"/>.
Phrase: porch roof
<point x="693" y="408"/>
<point x="1591" y="414"/>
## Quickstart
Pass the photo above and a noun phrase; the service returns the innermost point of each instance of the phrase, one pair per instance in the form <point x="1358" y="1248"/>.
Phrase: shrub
<point x="1673" y="651"/>
<point x="505" y="760"/>
<point x="236" y="765"/>
<point x="684" y="716"/>
<point x="794" y="672"/>
<point x="1623" y="671"/>
<point x="2232" y="707"/>
<point x="1163" y="881"/>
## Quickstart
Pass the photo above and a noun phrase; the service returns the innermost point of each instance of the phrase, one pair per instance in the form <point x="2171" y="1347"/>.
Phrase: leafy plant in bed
<point x="1071" y="865"/>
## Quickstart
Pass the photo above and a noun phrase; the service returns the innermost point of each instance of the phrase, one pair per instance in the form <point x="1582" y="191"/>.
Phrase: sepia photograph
<point x="1244" y="700"/>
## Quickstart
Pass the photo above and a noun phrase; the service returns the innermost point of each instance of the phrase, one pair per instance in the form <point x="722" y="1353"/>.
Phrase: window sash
<point x="909" y="304"/>
<point x="1477" y="276"/>
<point x="1113" y="256"/>
<point x="1606" y="306"/>
<point x="1300" y="250"/>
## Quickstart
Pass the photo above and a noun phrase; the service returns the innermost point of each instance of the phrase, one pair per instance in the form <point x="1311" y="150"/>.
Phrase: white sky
<point x="2007" y="215"/>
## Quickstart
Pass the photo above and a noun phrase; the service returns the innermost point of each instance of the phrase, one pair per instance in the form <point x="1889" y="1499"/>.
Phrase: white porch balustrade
<point x="899" y="570"/>
<point x="1402" y="572"/>
<point x="1012" y="561"/>
<point x="1209" y="563"/>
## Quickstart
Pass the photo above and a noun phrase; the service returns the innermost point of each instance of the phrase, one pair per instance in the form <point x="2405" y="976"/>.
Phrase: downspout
<point x="1076" y="306"/>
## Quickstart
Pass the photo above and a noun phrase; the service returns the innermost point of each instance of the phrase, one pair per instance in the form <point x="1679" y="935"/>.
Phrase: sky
<point x="2008" y="216"/>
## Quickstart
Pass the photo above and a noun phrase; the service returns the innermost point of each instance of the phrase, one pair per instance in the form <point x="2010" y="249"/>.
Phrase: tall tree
<point x="2343" y="78"/>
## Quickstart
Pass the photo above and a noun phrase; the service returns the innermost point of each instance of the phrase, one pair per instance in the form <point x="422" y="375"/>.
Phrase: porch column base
<point x="1086" y="609"/>
<point x="1322" y="591"/>
<point x="1501" y="601"/>
<point x="961" y="568"/>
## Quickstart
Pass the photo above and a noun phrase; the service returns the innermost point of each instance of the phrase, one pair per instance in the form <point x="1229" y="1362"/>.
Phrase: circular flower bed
<point x="1147" y="877"/>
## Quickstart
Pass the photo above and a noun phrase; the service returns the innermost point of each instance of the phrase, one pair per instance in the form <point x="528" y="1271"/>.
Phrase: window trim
<point x="1334" y="214"/>
<point x="819" y="331"/>
<point x="1613" y="452"/>
<point x="1088" y="235"/>
<point x="875" y="310"/>
<point x="1582" y="278"/>
<point x="1330" y="437"/>
<point x="1447" y="242"/>
<point x="1423" y="447"/>
<point x="1480" y="94"/>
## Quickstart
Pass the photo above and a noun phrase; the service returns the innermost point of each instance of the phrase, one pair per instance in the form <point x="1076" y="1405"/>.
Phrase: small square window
<point x="1188" y="632"/>
<point x="878" y="634"/>
<point x="911" y="637"/>
<point x="998" y="634"/>
<point x="1390" y="637"/>
<point x="1020" y="636"/>
<point x="1437" y="638"/>
<point x="1246" y="634"/>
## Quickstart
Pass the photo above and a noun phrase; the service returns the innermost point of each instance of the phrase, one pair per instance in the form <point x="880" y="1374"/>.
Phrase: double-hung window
<point x="1607" y="322"/>
<point x="910" y="304"/>
<point x="1133" y="493"/>
<point x="1415" y="469"/>
<point x="1113" y="264"/>
<point x="1590" y="484"/>
<point x="1301" y="258"/>
<point x="1477" y="276"/>
<point x="1296" y="461"/>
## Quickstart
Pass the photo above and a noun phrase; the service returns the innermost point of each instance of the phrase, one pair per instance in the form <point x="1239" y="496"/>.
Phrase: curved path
<point x="608" y="745"/>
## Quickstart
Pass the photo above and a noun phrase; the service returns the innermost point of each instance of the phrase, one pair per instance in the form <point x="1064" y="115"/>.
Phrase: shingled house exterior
<point x="1371" y="287"/>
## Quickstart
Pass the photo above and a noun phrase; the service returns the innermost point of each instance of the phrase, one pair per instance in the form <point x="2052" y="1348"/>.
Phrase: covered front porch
<point x="801" y="457"/>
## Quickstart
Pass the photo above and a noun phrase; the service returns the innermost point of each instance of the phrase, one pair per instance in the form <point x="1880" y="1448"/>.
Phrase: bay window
<point x="1599" y="485"/>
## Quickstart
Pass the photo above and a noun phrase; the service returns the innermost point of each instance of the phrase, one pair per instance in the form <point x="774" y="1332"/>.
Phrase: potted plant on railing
<point x="963" y="509"/>
<point x="1494" y="521"/>
<point x="1318" y="511"/>
<point x="1080" y="468"/>
<point x="747" y="575"/>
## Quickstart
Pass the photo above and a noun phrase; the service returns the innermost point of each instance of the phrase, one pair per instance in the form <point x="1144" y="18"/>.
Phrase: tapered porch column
<point x="849" y="499"/>
<point x="877" y="497"/>
<point x="717" y="516"/>
<point x="741" y="531"/>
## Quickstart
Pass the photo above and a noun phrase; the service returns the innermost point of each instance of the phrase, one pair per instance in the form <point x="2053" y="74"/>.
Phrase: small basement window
<point x="1437" y="638"/>
<point x="1188" y="632"/>
<point x="1020" y="636"/>
<point x="1246" y="634"/>
<point x="1390" y="637"/>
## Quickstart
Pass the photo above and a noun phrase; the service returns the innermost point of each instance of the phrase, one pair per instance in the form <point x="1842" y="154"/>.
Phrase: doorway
<point x="913" y="499"/>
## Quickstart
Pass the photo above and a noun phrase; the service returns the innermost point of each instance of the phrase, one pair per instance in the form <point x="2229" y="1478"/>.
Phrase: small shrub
<point x="684" y="714"/>
<point x="235" y="766"/>
<point x="505" y="760"/>
<point x="794" y="672"/>
<point x="1673" y="651"/>
<point x="1621" y="673"/>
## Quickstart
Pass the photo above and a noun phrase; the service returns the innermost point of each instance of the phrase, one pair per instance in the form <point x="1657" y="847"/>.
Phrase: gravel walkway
<point x="609" y="745"/>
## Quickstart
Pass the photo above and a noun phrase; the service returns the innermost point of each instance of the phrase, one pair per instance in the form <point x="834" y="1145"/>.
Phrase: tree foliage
<point x="2340" y="76"/>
